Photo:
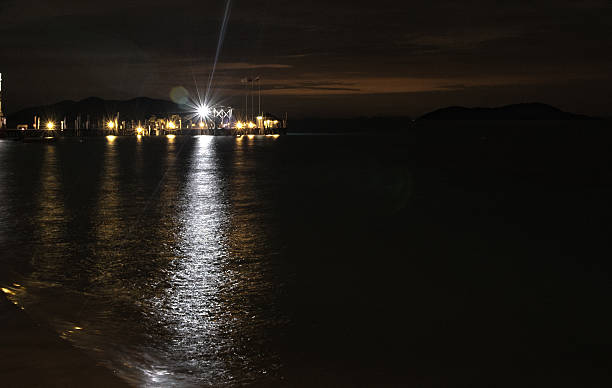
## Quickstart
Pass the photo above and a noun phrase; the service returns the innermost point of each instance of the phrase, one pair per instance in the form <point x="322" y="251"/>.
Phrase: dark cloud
<point x="447" y="52"/>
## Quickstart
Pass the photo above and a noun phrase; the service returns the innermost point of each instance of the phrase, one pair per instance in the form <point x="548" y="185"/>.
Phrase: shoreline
<point x="34" y="356"/>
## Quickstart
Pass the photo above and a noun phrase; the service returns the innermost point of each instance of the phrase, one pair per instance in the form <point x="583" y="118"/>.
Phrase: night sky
<point x="315" y="58"/>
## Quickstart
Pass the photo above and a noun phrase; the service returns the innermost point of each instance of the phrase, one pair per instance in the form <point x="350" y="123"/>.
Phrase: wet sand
<point x="34" y="356"/>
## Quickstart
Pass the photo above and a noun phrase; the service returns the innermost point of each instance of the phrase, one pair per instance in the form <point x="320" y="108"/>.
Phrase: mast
<point x="2" y="119"/>
<point x="259" y="112"/>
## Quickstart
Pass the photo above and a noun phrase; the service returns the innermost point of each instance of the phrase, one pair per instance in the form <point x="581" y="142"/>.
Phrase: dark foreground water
<point x="312" y="260"/>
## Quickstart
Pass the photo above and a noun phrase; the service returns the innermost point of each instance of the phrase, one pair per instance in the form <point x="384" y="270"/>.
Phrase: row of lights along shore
<point x="203" y="123"/>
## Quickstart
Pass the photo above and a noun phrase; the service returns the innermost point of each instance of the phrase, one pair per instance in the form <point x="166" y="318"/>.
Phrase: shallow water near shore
<point x="301" y="261"/>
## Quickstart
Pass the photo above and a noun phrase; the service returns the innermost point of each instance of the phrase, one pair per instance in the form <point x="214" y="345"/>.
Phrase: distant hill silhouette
<point x="528" y="111"/>
<point x="97" y="109"/>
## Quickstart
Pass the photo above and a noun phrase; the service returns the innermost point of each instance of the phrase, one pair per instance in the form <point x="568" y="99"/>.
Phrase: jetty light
<point x="239" y="125"/>
<point x="110" y="125"/>
<point x="201" y="124"/>
<point x="139" y="130"/>
<point x="203" y="111"/>
<point x="252" y="125"/>
<point x="171" y="125"/>
<point x="50" y="125"/>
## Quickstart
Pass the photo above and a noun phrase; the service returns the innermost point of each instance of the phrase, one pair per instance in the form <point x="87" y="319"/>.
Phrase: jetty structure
<point x="139" y="117"/>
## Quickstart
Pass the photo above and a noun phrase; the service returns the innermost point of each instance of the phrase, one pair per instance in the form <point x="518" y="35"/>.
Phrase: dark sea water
<point x="313" y="260"/>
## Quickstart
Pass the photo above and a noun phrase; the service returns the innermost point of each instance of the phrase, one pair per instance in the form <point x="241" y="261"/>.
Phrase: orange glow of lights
<point x="201" y="124"/>
<point x="171" y="137"/>
<point x="110" y="125"/>
<point x="251" y="137"/>
<point x="50" y="125"/>
<point x="111" y="138"/>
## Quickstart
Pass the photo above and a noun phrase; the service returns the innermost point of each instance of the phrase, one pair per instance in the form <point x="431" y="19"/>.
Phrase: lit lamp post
<point x="50" y="126"/>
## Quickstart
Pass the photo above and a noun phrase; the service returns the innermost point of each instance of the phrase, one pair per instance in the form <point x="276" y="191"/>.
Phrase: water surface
<point x="302" y="260"/>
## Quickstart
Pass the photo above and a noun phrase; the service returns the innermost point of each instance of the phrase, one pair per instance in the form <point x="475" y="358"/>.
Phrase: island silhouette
<point x="524" y="111"/>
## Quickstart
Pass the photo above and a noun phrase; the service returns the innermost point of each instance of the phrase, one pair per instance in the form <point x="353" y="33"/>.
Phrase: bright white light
<point x="203" y="111"/>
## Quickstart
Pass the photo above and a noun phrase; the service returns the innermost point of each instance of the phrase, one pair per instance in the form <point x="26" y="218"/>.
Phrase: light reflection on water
<point x="164" y="254"/>
<point x="164" y="259"/>
<point x="213" y="329"/>
<point x="191" y="308"/>
<point x="150" y="281"/>
<point x="50" y="213"/>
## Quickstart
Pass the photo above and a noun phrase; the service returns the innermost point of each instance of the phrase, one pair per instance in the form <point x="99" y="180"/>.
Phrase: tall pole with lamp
<point x="258" y="79"/>
<point x="2" y="119"/>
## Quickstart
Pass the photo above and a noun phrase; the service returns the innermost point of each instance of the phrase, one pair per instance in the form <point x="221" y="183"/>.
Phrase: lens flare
<point x="203" y="111"/>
